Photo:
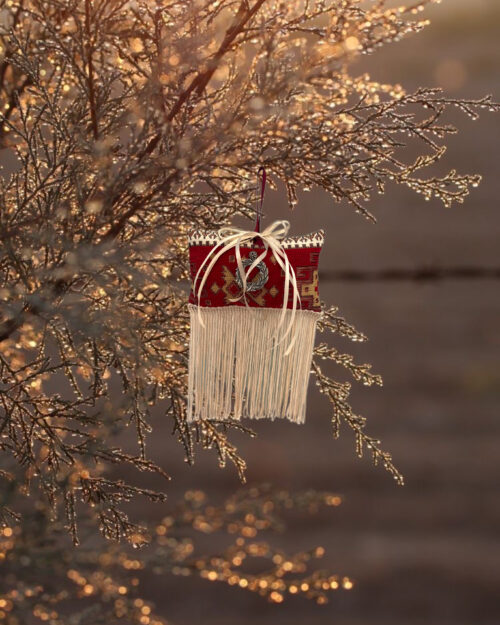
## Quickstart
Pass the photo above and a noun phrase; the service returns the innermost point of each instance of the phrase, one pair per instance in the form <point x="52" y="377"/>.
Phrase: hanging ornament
<point x="254" y="306"/>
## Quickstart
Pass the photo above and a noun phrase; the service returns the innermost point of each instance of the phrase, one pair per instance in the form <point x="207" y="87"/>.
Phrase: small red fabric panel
<point x="265" y="287"/>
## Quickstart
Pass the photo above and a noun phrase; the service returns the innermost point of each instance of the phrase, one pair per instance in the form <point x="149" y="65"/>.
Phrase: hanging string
<point x="260" y="201"/>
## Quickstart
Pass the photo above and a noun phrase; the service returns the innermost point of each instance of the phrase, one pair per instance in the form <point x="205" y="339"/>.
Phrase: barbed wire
<point x="416" y="274"/>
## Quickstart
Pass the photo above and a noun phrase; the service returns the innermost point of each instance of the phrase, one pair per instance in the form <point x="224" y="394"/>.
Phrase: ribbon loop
<point x="230" y="237"/>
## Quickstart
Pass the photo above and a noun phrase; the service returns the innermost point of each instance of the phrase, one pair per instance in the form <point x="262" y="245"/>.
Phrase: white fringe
<point x="234" y="373"/>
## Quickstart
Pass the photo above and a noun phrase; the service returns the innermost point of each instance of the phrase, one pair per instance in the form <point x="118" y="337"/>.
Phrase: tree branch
<point x="90" y="72"/>
<point x="201" y="80"/>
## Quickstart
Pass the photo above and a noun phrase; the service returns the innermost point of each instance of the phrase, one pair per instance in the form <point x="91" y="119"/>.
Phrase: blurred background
<point x="428" y="552"/>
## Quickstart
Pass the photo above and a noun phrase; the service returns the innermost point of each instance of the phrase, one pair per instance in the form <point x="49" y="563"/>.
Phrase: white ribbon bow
<point x="270" y="237"/>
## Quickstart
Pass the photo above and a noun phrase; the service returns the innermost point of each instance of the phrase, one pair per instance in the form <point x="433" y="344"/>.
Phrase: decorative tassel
<point x="238" y="366"/>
